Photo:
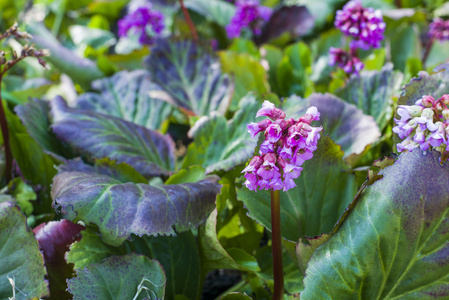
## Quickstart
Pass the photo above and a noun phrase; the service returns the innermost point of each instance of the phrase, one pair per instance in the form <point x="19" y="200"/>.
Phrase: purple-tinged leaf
<point x="191" y="76"/>
<point x="97" y="136"/>
<point x="126" y="95"/>
<point x="220" y="145"/>
<point x="20" y="258"/>
<point x="372" y="92"/>
<point x="295" y="20"/>
<point x="54" y="240"/>
<point x="393" y="244"/>
<point x="343" y="122"/>
<point x="121" y="209"/>
<point x="434" y="85"/>
<point x="131" y="276"/>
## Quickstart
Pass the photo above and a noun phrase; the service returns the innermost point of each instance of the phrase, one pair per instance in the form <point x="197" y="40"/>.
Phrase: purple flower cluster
<point x="145" y="22"/>
<point x="349" y="62"/>
<point x="365" y="25"/>
<point x="424" y="125"/>
<point x="288" y="143"/>
<point x="248" y="14"/>
<point x="439" y="29"/>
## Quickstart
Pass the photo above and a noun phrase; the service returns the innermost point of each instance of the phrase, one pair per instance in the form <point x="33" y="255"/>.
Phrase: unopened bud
<point x="440" y="106"/>
<point x="415" y="110"/>
<point x="445" y="99"/>
<point x="427" y="113"/>
<point x="42" y="53"/>
<point x="445" y="114"/>
<point x="14" y="54"/>
<point x="428" y="101"/>
<point x="42" y="62"/>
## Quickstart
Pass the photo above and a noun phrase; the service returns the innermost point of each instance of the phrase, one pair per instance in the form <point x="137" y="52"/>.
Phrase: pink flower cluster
<point x="248" y="14"/>
<point x="288" y="143"/>
<point x="439" y="29"/>
<point x="424" y="125"/>
<point x="349" y="62"/>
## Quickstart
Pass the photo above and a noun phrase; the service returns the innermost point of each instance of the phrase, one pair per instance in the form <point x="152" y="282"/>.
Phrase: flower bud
<point x="445" y="99"/>
<point x="427" y="113"/>
<point x="445" y="114"/>
<point x="428" y="101"/>
<point x="415" y="110"/>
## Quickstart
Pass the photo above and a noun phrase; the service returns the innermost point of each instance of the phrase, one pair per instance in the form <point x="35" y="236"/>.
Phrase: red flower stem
<point x="427" y="52"/>
<point x="5" y="133"/>
<point x="276" y="246"/>
<point x="189" y="21"/>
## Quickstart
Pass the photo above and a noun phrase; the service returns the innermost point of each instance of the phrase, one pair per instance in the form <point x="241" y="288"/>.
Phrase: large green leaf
<point x="323" y="191"/>
<point x="121" y="209"/>
<point x="249" y="75"/>
<point x="190" y="75"/>
<point x="20" y="258"/>
<point x="372" y="92"/>
<point x="132" y="276"/>
<point x="343" y="122"/>
<point x="213" y="10"/>
<point x="220" y="144"/>
<point x="126" y="95"/>
<point x="98" y="136"/>
<point x="393" y="244"/>
<point x="434" y="85"/>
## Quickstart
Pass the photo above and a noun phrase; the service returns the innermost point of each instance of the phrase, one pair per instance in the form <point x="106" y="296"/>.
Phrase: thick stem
<point x="5" y="133"/>
<point x="427" y="52"/>
<point x="278" y="273"/>
<point x="189" y="21"/>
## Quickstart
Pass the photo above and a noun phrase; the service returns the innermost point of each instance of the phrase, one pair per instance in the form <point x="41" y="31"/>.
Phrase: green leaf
<point x="222" y="145"/>
<point x="236" y="296"/>
<point x="343" y="122"/>
<point x="372" y="92"/>
<point x="405" y="43"/>
<point x="241" y="45"/>
<point x="294" y="70"/>
<point x="121" y="209"/>
<point x="132" y="276"/>
<point x="248" y="73"/>
<point x="23" y="194"/>
<point x="214" y="256"/>
<point x="217" y="11"/>
<point x="190" y="75"/>
<point x="84" y="36"/>
<point x="323" y="191"/>
<point x="20" y="258"/>
<point x="191" y="174"/>
<point x="126" y="95"/>
<point x="393" y="244"/>
<point x="99" y="136"/>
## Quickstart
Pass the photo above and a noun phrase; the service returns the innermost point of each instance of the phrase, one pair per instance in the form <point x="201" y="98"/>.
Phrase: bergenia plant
<point x="424" y="125"/>
<point x="249" y="15"/>
<point x="288" y="144"/>
<point x="145" y="22"/>
<point x="365" y="26"/>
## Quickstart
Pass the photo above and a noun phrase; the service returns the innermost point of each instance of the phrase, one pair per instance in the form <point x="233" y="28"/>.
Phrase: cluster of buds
<point x="439" y="29"/>
<point x="288" y="143"/>
<point x="14" y="31"/>
<point x="248" y="14"/>
<point x="348" y="61"/>
<point x="145" y="22"/>
<point x="366" y="28"/>
<point x="424" y="125"/>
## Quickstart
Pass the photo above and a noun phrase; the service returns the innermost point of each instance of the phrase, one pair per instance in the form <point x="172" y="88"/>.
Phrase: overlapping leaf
<point x="343" y="122"/>
<point x="20" y="258"/>
<point x="126" y="95"/>
<point x="323" y="191"/>
<point x="434" y="85"/>
<point x="190" y="75"/>
<point x="121" y="209"/>
<point x="214" y="10"/>
<point x="372" y="92"/>
<point x="220" y="144"/>
<point x="131" y="276"/>
<point x="98" y="136"/>
<point x="394" y="243"/>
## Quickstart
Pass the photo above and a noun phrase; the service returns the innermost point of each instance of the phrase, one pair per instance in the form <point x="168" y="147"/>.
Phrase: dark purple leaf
<point x="191" y="76"/>
<point x="121" y="209"/>
<point x="295" y="20"/>
<point x="97" y="136"/>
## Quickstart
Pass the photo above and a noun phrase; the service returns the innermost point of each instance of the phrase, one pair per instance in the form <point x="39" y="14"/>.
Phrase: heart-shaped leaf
<point x="393" y="244"/>
<point x="372" y="92"/>
<point x="20" y="258"/>
<point x="126" y="95"/>
<point x="343" y="122"/>
<point x="99" y="136"/>
<point x="190" y="75"/>
<point x="219" y="144"/>
<point x="323" y="191"/>
<point x="121" y="209"/>
<point x="131" y="276"/>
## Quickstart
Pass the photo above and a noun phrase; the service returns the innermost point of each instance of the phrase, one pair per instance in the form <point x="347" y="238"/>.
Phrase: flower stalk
<point x="189" y="21"/>
<point x="276" y="245"/>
